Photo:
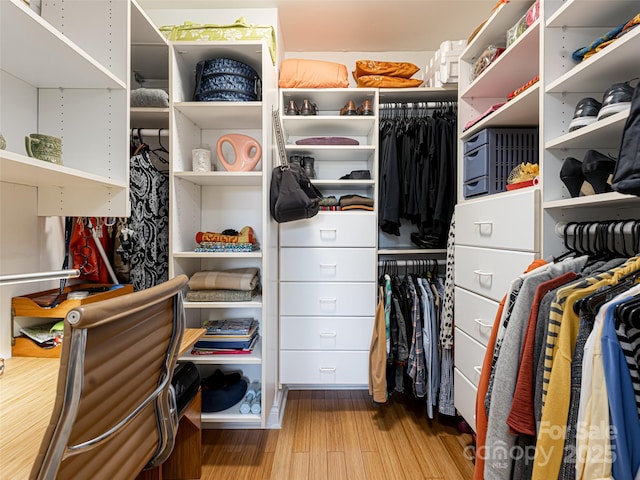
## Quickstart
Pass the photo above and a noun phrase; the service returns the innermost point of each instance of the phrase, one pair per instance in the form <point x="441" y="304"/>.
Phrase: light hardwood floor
<point x="334" y="435"/>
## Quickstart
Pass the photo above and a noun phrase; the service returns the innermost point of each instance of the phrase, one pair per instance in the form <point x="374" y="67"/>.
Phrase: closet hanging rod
<point x="38" y="276"/>
<point x="149" y="132"/>
<point x="628" y="226"/>
<point x="391" y="106"/>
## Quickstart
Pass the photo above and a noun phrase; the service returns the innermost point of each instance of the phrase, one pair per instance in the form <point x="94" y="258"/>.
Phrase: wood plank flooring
<point x="341" y="434"/>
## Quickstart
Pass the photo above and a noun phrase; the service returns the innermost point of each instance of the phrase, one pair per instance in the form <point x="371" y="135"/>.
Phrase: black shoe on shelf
<point x="616" y="99"/>
<point x="586" y="113"/>
<point x="596" y="168"/>
<point x="572" y="176"/>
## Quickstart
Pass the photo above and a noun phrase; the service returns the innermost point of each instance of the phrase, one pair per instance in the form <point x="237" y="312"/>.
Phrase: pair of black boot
<point x="595" y="169"/>
<point x="307" y="164"/>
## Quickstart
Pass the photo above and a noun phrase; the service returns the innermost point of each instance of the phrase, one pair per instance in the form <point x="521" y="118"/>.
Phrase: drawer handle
<point x="324" y="233"/>
<point x="328" y="265"/>
<point x="327" y="369"/>
<point x="482" y="324"/>
<point x="328" y="334"/>
<point x="328" y="300"/>
<point x="477" y="369"/>
<point x="483" y="274"/>
<point x="482" y="223"/>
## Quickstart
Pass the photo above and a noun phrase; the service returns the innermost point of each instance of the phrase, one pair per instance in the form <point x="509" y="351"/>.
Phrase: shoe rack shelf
<point x="568" y="28"/>
<point x="334" y="161"/>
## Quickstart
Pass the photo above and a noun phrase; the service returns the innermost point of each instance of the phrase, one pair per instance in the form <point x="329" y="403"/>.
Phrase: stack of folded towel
<point x="227" y="241"/>
<point x="378" y="74"/>
<point x="234" y="285"/>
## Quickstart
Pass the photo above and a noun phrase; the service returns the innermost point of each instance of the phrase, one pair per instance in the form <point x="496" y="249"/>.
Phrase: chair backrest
<point x="114" y="413"/>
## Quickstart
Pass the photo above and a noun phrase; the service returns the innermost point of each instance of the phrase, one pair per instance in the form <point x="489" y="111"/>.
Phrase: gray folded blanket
<point x="149" y="97"/>
<point x="234" y="279"/>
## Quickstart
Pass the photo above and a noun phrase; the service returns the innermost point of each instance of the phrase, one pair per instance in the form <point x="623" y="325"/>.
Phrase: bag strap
<point x="277" y="130"/>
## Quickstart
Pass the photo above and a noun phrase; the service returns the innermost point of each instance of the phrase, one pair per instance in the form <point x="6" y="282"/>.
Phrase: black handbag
<point x="292" y="195"/>
<point x="626" y="176"/>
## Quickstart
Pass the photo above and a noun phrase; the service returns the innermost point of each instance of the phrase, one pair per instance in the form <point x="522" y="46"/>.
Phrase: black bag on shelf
<point x="626" y="176"/>
<point x="226" y="80"/>
<point x="292" y="196"/>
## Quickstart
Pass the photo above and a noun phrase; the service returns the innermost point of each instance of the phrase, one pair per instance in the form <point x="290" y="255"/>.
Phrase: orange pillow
<point x="391" y="69"/>
<point x="383" y="81"/>
<point x="301" y="73"/>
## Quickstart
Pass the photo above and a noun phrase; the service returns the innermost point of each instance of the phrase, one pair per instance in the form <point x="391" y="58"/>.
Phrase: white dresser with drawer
<point x="328" y="269"/>
<point x="492" y="247"/>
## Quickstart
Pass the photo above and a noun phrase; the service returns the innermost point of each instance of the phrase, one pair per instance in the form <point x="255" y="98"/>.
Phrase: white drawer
<point x="331" y="229"/>
<point x="464" y="397"/>
<point x="318" y="299"/>
<point x="501" y="222"/>
<point x="489" y="272"/>
<point x="469" y="356"/>
<point x="325" y="333"/>
<point x="324" y="368"/>
<point x="328" y="264"/>
<point x="475" y="314"/>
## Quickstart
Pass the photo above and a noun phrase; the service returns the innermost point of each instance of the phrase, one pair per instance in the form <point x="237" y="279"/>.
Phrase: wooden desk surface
<point x="27" y="395"/>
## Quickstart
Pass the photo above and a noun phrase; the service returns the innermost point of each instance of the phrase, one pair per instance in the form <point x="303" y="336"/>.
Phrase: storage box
<point x="491" y="155"/>
<point x="443" y="68"/>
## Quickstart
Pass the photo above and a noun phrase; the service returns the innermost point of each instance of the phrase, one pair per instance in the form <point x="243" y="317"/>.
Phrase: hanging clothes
<point x="417" y="173"/>
<point x="149" y="222"/>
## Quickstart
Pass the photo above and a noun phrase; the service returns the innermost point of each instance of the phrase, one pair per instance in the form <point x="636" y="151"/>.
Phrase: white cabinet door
<point x="469" y="356"/>
<point x="321" y="299"/>
<point x="328" y="264"/>
<point x="475" y="314"/>
<point x="325" y="333"/>
<point x="331" y="229"/>
<point x="489" y="272"/>
<point x="324" y="368"/>
<point x="499" y="222"/>
<point x="464" y="393"/>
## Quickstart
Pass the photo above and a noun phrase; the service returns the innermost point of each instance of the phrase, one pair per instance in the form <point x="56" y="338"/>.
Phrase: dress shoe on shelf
<point x="572" y="176"/>
<point x="616" y="99"/>
<point x="586" y="113"/>
<point x="596" y="168"/>
<point x="292" y="108"/>
<point x="349" y="108"/>
<point x="308" y="108"/>
<point x="366" y="108"/>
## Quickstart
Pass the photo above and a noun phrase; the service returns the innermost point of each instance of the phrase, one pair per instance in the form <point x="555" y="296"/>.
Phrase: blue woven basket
<point x="226" y="80"/>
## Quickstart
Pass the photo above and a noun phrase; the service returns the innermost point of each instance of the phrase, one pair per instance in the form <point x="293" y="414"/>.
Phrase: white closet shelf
<point x="595" y="74"/>
<point x="240" y="179"/>
<point x="418" y="94"/>
<point x="494" y="30"/>
<point x="256" y="303"/>
<point x="333" y="125"/>
<point x="574" y="13"/>
<point x="605" y="133"/>
<point x="46" y="58"/>
<point x="25" y="170"/>
<point x="257" y="254"/>
<point x="232" y="414"/>
<point x="253" y="358"/>
<point x="511" y="70"/>
<point x="149" y="117"/>
<point x="523" y="110"/>
<point x="411" y="251"/>
<point x="143" y="30"/>
<point x="232" y="115"/>
<point x="604" y="200"/>
<point x="343" y="183"/>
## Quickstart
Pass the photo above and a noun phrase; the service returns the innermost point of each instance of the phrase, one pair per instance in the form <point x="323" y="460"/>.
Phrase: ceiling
<point x="360" y="25"/>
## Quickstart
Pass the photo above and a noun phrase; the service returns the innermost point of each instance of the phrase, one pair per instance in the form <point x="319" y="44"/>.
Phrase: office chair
<point x="115" y="411"/>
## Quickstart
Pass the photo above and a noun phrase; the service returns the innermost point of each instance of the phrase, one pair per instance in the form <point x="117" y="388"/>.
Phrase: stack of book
<point x="229" y="336"/>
